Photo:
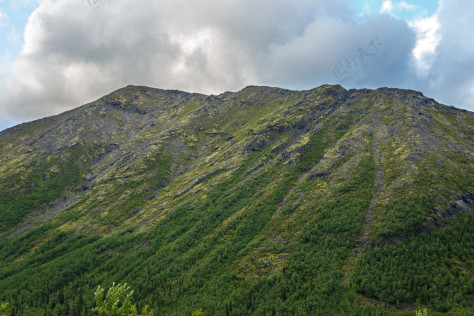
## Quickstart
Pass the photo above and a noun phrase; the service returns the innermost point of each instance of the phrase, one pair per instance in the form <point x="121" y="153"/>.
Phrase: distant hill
<point x="265" y="201"/>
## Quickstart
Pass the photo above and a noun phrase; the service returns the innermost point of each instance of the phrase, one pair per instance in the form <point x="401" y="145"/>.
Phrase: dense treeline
<point x="178" y="274"/>
<point x="433" y="269"/>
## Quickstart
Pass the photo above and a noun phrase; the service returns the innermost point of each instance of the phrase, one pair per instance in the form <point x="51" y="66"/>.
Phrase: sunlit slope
<point x="261" y="201"/>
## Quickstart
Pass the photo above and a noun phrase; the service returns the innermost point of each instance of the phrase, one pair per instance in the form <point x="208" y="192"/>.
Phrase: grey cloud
<point x="374" y="52"/>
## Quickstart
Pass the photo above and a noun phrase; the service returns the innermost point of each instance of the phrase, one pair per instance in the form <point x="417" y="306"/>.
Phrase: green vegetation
<point x="428" y="269"/>
<point x="198" y="312"/>
<point x="3" y="307"/>
<point x="422" y="312"/>
<point x="117" y="302"/>
<point x="260" y="202"/>
<point x="405" y="215"/>
<point x="42" y="184"/>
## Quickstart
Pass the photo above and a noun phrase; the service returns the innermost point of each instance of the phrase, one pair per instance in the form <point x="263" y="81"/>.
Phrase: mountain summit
<point x="265" y="201"/>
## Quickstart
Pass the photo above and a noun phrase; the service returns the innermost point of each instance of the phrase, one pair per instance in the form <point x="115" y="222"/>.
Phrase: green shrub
<point x="117" y="302"/>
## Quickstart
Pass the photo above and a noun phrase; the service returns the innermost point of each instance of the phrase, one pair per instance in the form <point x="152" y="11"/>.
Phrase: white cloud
<point x="387" y="6"/>
<point x="406" y="6"/>
<point x="70" y="59"/>
<point x="427" y="30"/>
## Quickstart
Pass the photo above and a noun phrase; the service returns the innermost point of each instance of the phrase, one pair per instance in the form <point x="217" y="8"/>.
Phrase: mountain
<point x="264" y="201"/>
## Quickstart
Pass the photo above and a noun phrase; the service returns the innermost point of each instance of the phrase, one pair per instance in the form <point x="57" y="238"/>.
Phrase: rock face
<point x="261" y="201"/>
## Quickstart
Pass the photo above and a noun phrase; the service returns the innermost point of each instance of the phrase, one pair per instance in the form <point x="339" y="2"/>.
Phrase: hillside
<point x="263" y="201"/>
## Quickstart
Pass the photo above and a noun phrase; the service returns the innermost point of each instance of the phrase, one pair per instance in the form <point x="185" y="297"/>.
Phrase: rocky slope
<point x="256" y="202"/>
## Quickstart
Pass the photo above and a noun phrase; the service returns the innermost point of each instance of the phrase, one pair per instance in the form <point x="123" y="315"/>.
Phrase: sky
<point x="58" y="55"/>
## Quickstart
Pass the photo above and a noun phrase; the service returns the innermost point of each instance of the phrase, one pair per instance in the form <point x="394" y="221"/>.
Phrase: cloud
<point x="406" y="6"/>
<point x="387" y="6"/>
<point x="428" y="37"/>
<point x="450" y="78"/>
<point x="75" y="52"/>
<point x="70" y="59"/>
<point x="372" y="53"/>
